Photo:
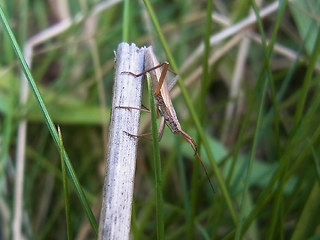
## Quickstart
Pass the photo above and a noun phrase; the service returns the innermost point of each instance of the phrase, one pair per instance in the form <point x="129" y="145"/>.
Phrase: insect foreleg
<point x="146" y="71"/>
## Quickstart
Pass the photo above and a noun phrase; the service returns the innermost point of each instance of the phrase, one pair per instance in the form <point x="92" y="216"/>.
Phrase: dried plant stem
<point x="115" y="215"/>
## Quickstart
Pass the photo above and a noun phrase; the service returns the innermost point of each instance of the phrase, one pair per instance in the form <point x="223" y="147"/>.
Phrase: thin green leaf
<point x="65" y="187"/>
<point x="157" y="165"/>
<point x="126" y="21"/>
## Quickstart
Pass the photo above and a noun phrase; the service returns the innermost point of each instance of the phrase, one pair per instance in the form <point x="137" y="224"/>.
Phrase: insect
<point x="163" y="101"/>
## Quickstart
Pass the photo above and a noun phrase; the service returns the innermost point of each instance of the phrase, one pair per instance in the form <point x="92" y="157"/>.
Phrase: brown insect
<point x="163" y="101"/>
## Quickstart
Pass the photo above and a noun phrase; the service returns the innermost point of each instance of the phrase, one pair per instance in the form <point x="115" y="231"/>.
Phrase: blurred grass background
<point x="254" y="91"/>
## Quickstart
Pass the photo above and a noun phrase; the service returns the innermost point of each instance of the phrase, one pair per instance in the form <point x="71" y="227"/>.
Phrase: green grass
<point x="263" y="160"/>
<point x="157" y="164"/>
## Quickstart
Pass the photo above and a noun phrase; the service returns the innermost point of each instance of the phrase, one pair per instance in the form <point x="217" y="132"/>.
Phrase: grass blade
<point x="157" y="165"/>
<point x="126" y="21"/>
<point x="65" y="186"/>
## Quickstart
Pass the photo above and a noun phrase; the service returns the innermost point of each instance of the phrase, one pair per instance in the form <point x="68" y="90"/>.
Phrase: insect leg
<point x="148" y="70"/>
<point x="194" y="147"/>
<point x="140" y="109"/>
<point x="143" y="135"/>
